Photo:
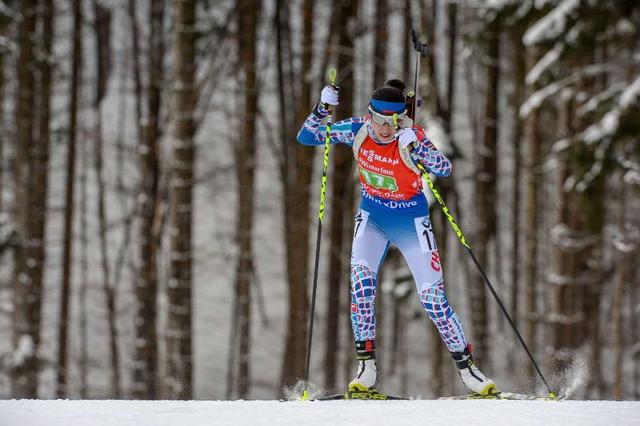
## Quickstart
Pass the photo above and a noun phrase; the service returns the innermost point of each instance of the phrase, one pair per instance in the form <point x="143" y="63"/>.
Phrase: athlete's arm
<point x="313" y="132"/>
<point x="428" y="155"/>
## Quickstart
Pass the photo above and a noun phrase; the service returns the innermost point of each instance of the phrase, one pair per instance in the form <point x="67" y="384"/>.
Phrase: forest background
<point x="158" y="217"/>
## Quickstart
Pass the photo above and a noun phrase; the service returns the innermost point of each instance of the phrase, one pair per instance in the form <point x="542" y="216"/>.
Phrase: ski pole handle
<point x="331" y="81"/>
<point x="332" y="74"/>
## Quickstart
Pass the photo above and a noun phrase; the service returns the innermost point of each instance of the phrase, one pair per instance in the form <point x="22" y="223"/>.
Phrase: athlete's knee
<point x="363" y="281"/>
<point x="434" y="300"/>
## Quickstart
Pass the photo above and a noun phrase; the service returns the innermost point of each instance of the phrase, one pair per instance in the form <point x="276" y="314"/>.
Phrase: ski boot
<point x="471" y="376"/>
<point x="365" y="384"/>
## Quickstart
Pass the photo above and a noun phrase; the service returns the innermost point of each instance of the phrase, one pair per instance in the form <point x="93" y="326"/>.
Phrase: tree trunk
<point x="41" y="157"/>
<point x="440" y="362"/>
<point x="248" y="20"/>
<point x="634" y="322"/>
<point x="452" y="18"/>
<point x="76" y="81"/>
<point x="486" y="180"/>
<point x="563" y="264"/>
<point x="30" y="171"/>
<point x="295" y="164"/>
<point x="299" y="190"/>
<point x="532" y="176"/>
<point x="575" y="282"/>
<point x="408" y="49"/>
<point x="517" y="99"/>
<point x="618" y="297"/>
<point x="83" y="316"/>
<point x="429" y="76"/>
<point x="179" y="342"/>
<point x="146" y="366"/>
<point x="135" y="59"/>
<point x="4" y="24"/>
<point x="380" y="44"/>
<point x="102" y="37"/>
<point x="341" y="167"/>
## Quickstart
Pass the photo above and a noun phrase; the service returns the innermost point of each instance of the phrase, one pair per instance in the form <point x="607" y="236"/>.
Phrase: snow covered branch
<point x="552" y="25"/>
<point x="538" y="97"/>
<point x="570" y="241"/>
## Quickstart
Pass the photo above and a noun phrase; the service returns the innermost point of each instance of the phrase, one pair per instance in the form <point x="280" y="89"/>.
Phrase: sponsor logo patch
<point x="435" y="261"/>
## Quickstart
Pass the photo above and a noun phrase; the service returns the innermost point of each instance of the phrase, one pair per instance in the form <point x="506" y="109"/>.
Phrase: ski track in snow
<point x="275" y="413"/>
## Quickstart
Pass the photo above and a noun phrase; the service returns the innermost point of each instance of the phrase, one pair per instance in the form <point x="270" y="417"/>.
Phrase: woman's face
<point x="384" y="132"/>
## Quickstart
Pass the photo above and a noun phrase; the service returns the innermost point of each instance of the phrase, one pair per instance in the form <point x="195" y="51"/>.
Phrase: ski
<point x="505" y="396"/>
<point x="362" y="396"/>
<point x="374" y="396"/>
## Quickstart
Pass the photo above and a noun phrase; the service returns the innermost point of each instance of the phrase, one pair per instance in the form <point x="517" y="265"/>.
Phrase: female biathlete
<point x="394" y="210"/>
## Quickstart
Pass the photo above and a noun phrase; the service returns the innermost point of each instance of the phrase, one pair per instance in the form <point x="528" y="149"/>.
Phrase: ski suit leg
<point x="418" y="247"/>
<point x="367" y="251"/>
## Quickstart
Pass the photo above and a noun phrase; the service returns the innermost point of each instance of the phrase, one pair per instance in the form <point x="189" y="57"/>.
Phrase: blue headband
<point x="384" y="107"/>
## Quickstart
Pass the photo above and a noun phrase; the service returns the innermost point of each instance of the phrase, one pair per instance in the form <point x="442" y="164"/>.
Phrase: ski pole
<point x="421" y="48"/>
<point x="323" y="190"/>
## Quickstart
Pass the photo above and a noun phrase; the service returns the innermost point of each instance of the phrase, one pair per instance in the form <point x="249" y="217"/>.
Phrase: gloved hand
<point x="329" y="95"/>
<point x="406" y="137"/>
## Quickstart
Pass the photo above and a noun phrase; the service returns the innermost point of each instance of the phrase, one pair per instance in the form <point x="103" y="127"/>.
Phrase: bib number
<point x="425" y="234"/>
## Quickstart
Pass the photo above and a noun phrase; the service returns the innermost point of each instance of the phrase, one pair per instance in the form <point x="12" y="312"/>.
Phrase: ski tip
<point x="305" y="395"/>
<point x="556" y="397"/>
<point x="489" y="390"/>
<point x="507" y="396"/>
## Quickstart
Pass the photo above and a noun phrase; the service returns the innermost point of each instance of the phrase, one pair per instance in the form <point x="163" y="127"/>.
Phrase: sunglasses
<point x="382" y="119"/>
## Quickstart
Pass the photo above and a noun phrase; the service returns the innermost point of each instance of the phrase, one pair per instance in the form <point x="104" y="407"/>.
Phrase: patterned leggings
<point x="414" y="237"/>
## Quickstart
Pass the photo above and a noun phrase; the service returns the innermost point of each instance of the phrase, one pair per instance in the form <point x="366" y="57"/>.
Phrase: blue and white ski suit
<point x="393" y="209"/>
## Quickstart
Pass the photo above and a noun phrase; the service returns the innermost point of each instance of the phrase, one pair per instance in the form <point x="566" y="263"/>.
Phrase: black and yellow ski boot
<point x="365" y="384"/>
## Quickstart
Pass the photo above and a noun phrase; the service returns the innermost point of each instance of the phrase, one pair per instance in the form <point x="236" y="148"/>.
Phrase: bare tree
<point x="518" y="60"/>
<point x="145" y="375"/>
<point x="248" y="19"/>
<point x="532" y="163"/>
<point x="75" y="88"/>
<point x="102" y="29"/>
<point x="295" y="172"/>
<point x="621" y="274"/>
<point x="132" y="11"/>
<point x="4" y="24"/>
<point x="179" y="342"/>
<point x="342" y="182"/>
<point x="408" y="48"/>
<point x="83" y="314"/>
<point x="576" y="277"/>
<point x="30" y="171"/>
<point x="380" y="43"/>
<point x="486" y="179"/>
<point x="429" y="75"/>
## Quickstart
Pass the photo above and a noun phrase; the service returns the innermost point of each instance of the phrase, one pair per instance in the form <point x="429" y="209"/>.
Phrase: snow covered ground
<point x="274" y="413"/>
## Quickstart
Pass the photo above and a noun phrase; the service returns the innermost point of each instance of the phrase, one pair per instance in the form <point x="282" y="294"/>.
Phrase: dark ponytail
<point x="398" y="84"/>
